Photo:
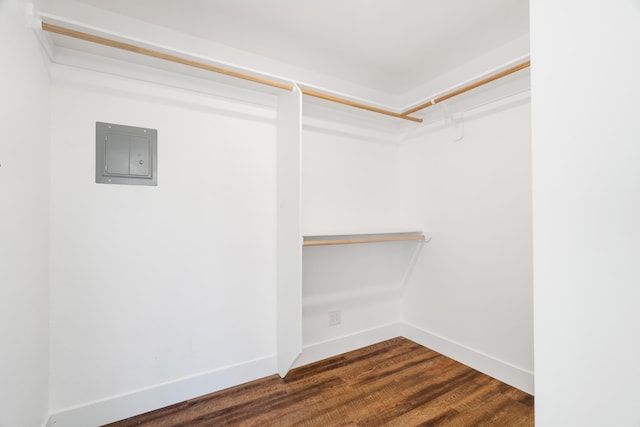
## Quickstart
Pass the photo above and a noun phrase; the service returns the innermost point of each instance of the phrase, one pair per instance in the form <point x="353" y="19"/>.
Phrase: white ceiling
<point x="391" y="46"/>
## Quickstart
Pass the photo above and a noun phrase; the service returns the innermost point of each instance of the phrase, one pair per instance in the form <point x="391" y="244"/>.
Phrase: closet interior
<point x="369" y="209"/>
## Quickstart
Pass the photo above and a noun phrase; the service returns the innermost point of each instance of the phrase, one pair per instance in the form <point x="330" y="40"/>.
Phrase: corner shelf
<point x="347" y="239"/>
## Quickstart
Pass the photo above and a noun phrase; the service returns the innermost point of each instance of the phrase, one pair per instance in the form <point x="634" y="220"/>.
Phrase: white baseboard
<point x="498" y="369"/>
<point x="322" y="350"/>
<point x="141" y="401"/>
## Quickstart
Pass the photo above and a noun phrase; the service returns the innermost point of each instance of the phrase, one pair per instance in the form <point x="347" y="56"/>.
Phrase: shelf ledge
<point x="364" y="238"/>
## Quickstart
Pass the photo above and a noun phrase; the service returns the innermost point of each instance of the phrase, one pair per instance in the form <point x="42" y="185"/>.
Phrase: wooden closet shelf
<point x="363" y="238"/>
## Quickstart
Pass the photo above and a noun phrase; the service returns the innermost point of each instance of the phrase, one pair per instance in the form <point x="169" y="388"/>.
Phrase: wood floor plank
<point x="393" y="383"/>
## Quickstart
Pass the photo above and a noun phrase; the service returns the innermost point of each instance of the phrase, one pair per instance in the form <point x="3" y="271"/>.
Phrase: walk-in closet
<point x="198" y="195"/>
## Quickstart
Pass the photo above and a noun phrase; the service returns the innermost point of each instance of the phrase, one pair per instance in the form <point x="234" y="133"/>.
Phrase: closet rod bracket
<point x="458" y="123"/>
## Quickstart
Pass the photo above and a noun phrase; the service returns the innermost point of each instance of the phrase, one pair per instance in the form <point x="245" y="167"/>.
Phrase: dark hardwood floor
<point x="393" y="383"/>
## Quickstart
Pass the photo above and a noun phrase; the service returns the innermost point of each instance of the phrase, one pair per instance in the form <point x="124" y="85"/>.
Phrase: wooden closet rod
<point x="358" y="105"/>
<point x="191" y="63"/>
<point x="360" y="240"/>
<point x="160" y="55"/>
<point x="469" y="87"/>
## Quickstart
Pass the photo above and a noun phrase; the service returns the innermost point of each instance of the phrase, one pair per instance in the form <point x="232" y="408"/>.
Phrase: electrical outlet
<point x="334" y="317"/>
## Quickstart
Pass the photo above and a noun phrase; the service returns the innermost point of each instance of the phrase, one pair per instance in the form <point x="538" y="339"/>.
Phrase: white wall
<point x="350" y="177"/>
<point x="470" y="294"/>
<point x="362" y="281"/>
<point x="586" y="206"/>
<point x="154" y="285"/>
<point x="24" y="222"/>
